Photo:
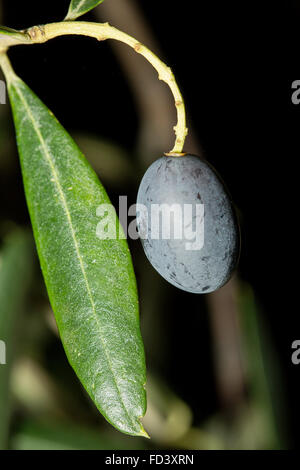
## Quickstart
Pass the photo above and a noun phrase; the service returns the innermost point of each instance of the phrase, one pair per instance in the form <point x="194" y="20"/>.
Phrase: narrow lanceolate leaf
<point x="80" y="7"/>
<point x="90" y="281"/>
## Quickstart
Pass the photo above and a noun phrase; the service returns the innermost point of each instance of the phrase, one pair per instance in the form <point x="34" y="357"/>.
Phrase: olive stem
<point x="103" y="31"/>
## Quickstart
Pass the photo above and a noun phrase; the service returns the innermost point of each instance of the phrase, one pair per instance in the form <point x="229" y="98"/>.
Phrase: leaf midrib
<point x="67" y="211"/>
<point x="77" y="9"/>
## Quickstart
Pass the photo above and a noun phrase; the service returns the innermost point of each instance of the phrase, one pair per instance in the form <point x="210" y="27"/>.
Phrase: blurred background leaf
<point x="15" y="276"/>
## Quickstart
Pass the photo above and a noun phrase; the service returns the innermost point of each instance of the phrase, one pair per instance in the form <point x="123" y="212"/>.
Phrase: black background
<point x="236" y="62"/>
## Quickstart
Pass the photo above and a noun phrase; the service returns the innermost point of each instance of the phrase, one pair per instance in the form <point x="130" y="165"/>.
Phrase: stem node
<point x="138" y="47"/>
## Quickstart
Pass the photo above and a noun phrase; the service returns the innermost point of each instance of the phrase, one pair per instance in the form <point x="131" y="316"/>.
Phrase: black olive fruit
<point x="187" y="223"/>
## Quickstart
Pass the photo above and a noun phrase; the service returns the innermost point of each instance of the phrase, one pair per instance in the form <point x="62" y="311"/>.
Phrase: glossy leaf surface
<point x="80" y="7"/>
<point x="90" y="281"/>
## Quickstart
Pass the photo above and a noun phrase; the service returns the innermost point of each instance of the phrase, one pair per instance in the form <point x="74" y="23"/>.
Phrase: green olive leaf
<point x="11" y="37"/>
<point x="90" y="281"/>
<point x="80" y="7"/>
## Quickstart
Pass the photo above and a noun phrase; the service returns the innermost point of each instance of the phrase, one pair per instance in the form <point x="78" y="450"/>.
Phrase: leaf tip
<point x="143" y="433"/>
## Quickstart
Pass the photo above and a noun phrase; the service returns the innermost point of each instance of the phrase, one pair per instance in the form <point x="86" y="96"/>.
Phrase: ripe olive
<point x="187" y="223"/>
